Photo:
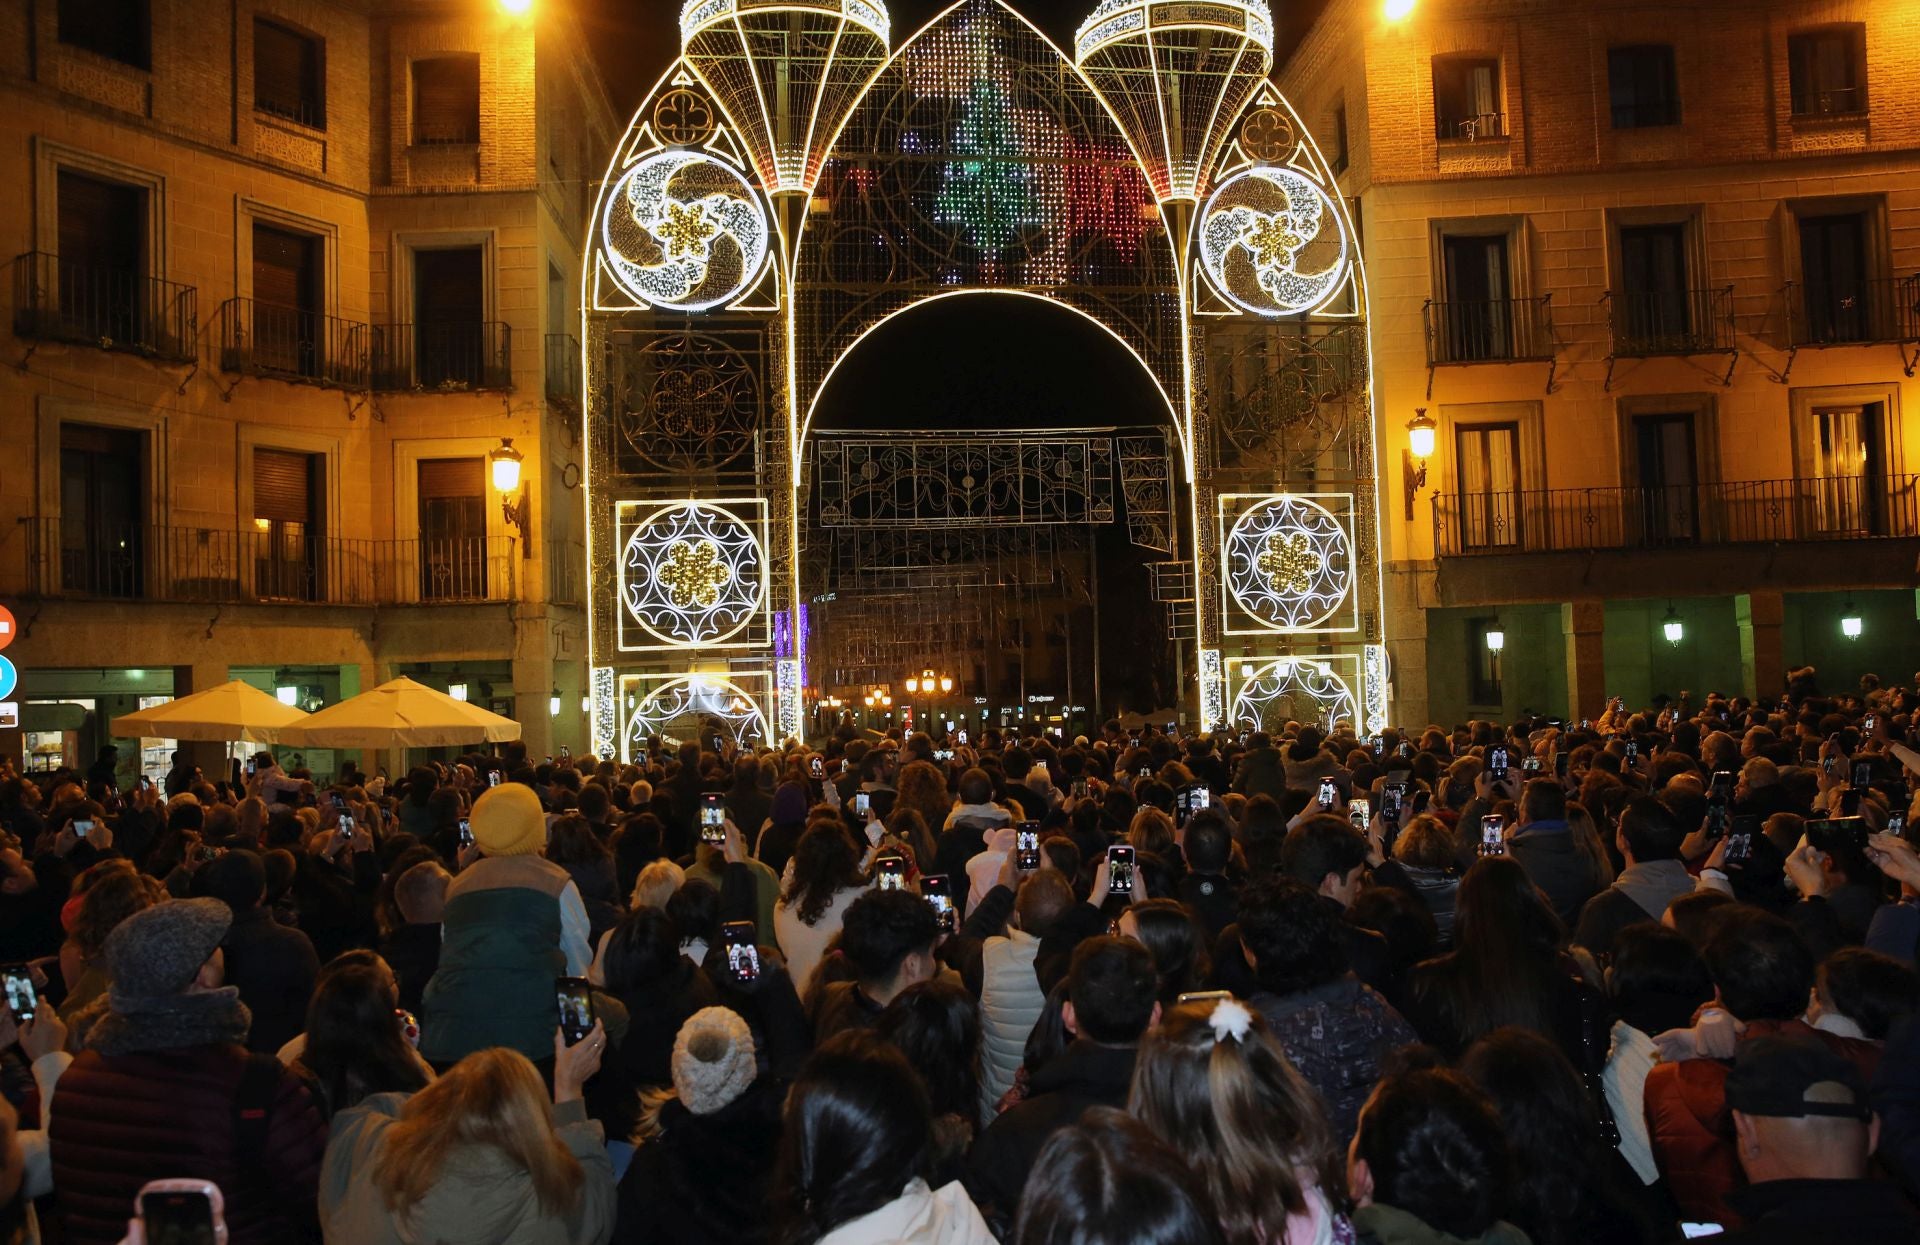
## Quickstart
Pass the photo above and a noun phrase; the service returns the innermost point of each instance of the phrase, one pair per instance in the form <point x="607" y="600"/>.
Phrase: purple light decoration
<point x="805" y="638"/>
<point x="782" y="635"/>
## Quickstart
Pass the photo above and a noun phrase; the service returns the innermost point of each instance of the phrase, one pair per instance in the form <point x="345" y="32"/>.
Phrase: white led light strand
<point x="1253" y="232"/>
<point x="684" y="231"/>
<point x="683" y="709"/>
<point x="1117" y="18"/>
<point x="1280" y="690"/>
<point x="697" y="15"/>
<point x="690" y="573"/>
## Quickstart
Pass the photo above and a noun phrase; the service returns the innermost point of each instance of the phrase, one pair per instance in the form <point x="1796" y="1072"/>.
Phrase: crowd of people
<point x="1638" y="979"/>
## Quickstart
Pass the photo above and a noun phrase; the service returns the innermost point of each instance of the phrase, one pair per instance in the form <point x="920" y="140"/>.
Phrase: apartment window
<point x="446" y="100"/>
<point x="1827" y="71"/>
<point x="1844" y="451"/>
<point x="1652" y="306"/>
<point x="286" y="518"/>
<point x="102" y="234"/>
<point x="1487" y="462"/>
<point x="102" y="489"/>
<point x="453" y="529"/>
<point x="1483" y="663"/>
<point x="1841" y="301"/>
<point x="289" y="73"/>
<point x="1340" y="155"/>
<point x="116" y="29"/>
<point x="288" y="327"/>
<point x="1642" y="86"/>
<point x="1668" y="476"/>
<point x="449" y="294"/>
<point x="1477" y="310"/>
<point x="1466" y="98"/>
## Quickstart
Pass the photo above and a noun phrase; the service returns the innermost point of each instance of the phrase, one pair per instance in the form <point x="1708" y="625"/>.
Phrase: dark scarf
<point x="172" y="1022"/>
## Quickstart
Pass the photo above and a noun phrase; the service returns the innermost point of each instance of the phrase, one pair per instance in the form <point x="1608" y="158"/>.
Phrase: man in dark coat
<point x="1110" y="1003"/>
<point x="272" y="966"/>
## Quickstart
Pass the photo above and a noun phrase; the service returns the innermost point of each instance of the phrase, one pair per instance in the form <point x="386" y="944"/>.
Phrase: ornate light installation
<point x="1297" y="689"/>
<point x="691" y="574"/>
<point x="1288" y="562"/>
<point x="684" y="231"/>
<point x="787" y="72"/>
<point x="603" y="716"/>
<point x="1273" y="243"/>
<point x="686" y="708"/>
<point x="1177" y="74"/>
<point x="1213" y="691"/>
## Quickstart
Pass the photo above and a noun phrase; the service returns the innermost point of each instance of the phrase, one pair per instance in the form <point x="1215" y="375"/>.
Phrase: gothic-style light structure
<point x="1177" y="75"/>
<point x="787" y="72"/>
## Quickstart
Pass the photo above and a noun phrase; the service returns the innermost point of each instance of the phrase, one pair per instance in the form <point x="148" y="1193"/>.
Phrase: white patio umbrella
<point x="400" y="714"/>
<point x="235" y="711"/>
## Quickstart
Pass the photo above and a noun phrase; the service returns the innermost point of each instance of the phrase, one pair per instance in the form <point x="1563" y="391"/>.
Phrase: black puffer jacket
<point x="705" y="1178"/>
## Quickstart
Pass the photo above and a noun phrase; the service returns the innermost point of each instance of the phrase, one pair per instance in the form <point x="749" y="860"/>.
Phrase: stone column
<point x="1763" y="662"/>
<point x="1584" y="623"/>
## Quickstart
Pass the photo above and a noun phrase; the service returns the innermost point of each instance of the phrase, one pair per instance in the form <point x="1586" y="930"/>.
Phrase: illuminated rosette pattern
<point x="1272" y="242"/>
<point x="1289" y="563"/>
<point x="691" y="574"/>
<point x="1294" y="689"/>
<point x="787" y="72"/>
<point x="1177" y="74"/>
<point x="684" y="231"/>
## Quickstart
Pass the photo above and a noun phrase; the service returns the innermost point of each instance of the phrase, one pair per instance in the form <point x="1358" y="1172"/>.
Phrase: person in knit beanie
<point x="705" y="1174"/>
<point x="513" y="922"/>
<point x="165" y="1088"/>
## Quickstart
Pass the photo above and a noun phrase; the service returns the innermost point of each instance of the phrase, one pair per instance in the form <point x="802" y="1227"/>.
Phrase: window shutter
<point x="285" y="269"/>
<point x="446" y="479"/>
<point x="282" y="486"/>
<point x="446" y="100"/>
<point x="286" y="72"/>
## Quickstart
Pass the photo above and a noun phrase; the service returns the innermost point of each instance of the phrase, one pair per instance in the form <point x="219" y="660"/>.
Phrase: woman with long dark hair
<point x="1506" y="968"/>
<point x="936" y="1025"/>
<point x="822" y="883"/>
<point x="1213" y="1084"/>
<point x="659" y="987"/>
<point x="356" y="1043"/>
<point x="1109" y="1181"/>
<point x="1167" y="929"/>
<point x="853" y="1154"/>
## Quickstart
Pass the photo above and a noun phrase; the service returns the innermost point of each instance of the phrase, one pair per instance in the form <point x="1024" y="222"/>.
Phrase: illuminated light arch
<point x="1277" y="689"/>
<point x="705" y="699"/>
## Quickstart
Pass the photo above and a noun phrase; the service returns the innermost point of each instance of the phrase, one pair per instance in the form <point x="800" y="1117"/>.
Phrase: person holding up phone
<point x="478" y="1155"/>
<point x="513" y="922"/>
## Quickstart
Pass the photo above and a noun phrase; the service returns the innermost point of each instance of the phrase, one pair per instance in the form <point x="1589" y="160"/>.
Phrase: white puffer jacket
<point x="1010" y="1004"/>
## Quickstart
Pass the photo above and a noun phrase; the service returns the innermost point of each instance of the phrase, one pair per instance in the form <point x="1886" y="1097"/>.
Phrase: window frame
<point x="413" y="99"/>
<point x="317" y="120"/>
<point x="1669" y="64"/>
<point x="142" y="19"/>
<point x="1798" y="94"/>
<point x="1463" y="59"/>
<point x="51" y="158"/>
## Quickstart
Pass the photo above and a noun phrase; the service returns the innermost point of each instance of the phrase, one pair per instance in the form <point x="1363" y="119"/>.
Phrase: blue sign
<point x="9" y="677"/>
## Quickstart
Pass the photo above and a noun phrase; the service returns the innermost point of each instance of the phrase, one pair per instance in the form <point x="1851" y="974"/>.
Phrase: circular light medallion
<point x="1272" y="242"/>
<point x="684" y="231"/>
<point x="692" y="574"/>
<point x="1289" y="563"/>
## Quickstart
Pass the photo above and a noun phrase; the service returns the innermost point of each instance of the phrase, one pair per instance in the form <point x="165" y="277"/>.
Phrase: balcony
<point x="76" y="559"/>
<point x="287" y="343"/>
<point x="1680" y="516"/>
<point x="562" y="360"/>
<point x="1472" y="129"/>
<point x="454" y="357"/>
<point x="72" y="301"/>
<point x="1853" y="313"/>
<point x="1647" y="324"/>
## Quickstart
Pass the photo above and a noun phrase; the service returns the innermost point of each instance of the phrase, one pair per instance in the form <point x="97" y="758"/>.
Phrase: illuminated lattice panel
<point x="693" y="707"/>
<point x="1320" y="690"/>
<point x="1287" y="563"/>
<point x="683" y="231"/>
<point x="788" y="73"/>
<point x="692" y="574"/>
<point x="1273" y="242"/>
<point x="1177" y="74"/>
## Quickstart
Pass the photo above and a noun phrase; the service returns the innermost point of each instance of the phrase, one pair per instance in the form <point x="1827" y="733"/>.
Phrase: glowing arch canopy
<point x="685" y="709"/>
<point x="1294" y="689"/>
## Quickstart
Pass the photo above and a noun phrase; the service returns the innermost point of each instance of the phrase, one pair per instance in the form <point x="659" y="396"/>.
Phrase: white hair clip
<point x="1230" y="1019"/>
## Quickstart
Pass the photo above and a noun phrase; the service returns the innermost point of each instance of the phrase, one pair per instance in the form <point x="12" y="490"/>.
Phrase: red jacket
<point x="122" y="1120"/>
<point x="1688" y="1124"/>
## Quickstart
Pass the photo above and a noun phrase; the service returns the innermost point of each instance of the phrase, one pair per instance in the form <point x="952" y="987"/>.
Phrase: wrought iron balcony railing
<point x="1501" y="330"/>
<point x="1853" y="313"/>
<point x="562" y="363"/>
<point x="1678" y="516"/>
<point x="1473" y="129"/>
<point x="267" y="339"/>
<point x="1671" y="322"/>
<point x="82" y="559"/>
<point x="66" y="300"/>
<point x="445" y="356"/>
<point x="1839" y="102"/>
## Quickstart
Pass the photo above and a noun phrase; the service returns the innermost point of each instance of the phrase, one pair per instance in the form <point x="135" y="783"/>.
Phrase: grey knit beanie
<point x="713" y="1060"/>
<point x="156" y="952"/>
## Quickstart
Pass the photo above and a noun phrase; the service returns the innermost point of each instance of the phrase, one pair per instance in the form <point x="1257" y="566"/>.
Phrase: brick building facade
<point x="1651" y="269"/>
<point x="287" y="271"/>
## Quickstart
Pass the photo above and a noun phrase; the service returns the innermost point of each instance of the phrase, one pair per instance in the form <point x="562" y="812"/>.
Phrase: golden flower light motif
<point x="1272" y="240"/>
<point x="693" y="574"/>
<point x="1289" y="563"/>
<point x="685" y="230"/>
